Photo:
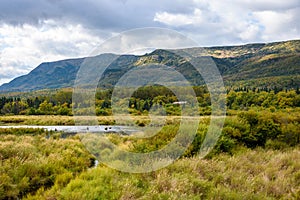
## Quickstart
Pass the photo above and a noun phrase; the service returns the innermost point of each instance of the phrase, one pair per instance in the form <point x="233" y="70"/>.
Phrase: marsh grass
<point x="29" y="161"/>
<point x="253" y="174"/>
<point x="126" y="120"/>
<point x="36" y="120"/>
<point x="257" y="156"/>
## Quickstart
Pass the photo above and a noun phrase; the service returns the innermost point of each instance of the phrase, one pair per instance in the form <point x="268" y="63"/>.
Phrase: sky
<point x="32" y="32"/>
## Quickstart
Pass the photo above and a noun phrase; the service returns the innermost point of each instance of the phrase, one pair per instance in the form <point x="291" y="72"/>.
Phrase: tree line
<point x="144" y="98"/>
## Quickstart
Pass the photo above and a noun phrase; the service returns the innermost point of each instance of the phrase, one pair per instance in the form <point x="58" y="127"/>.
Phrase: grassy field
<point x="257" y="156"/>
<point x="250" y="174"/>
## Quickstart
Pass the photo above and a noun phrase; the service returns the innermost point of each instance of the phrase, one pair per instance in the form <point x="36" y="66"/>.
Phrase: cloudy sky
<point x="35" y="31"/>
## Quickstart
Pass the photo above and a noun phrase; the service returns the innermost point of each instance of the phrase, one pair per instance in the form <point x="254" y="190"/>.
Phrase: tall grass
<point x="127" y="120"/>
<point x="251" y="174"/>
<point x="29" y="161"/>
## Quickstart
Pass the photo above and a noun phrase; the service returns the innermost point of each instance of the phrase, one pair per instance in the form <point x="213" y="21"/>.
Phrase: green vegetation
<point x="31" y="159"/>
<point x="257" y="155"/>
<point x="248" y="129"/>
<point x="238" y="98"/>
<point x="250" y="174"/>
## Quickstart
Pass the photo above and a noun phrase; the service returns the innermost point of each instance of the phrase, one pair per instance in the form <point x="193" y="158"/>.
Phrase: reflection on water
<point x="82" y="129"/>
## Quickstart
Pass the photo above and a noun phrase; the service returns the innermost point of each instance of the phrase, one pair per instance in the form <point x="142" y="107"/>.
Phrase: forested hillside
<point x="271" y="64"/>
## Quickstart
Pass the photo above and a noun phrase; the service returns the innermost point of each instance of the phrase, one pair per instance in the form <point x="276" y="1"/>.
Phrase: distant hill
<point x="47" y="75"/>
<point x="261" y="65"/>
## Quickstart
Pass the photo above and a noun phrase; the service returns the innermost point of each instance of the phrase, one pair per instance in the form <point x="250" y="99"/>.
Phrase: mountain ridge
<point x="236" y="63"/>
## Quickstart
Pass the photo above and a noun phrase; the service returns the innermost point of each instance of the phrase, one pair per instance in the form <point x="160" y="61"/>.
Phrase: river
<point x="125" y="130"/>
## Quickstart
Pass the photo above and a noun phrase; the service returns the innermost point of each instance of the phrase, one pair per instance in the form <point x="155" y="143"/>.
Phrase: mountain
<point x="57" y="74"/>
<point x="263" y="65"/>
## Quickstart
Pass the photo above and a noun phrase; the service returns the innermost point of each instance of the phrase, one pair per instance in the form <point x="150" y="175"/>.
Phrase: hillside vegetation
<point x="236" y="63"/>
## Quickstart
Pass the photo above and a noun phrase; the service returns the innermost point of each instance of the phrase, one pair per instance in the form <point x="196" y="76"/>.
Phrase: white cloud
<point x="250" y="33"/>
<point x="179" y="19"/>
<point x="278" y="25"/>
<point x="143" y="40"/>
<point x="24" y="47"/>
<point x="264" y="5"/>
<point x="227" y="22"/>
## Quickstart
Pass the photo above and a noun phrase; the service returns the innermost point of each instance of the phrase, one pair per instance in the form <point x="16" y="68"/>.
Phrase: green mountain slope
<point x="259" y="64"/>
<point x="49" y="75"/>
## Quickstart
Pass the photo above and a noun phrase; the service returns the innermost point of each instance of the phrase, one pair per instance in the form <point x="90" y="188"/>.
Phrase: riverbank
<point x="58" y="120"/>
